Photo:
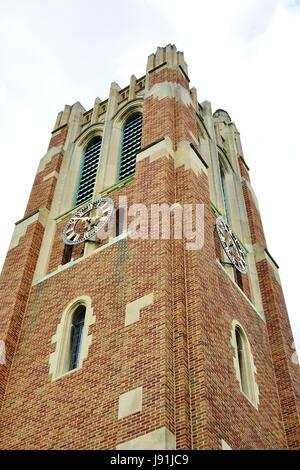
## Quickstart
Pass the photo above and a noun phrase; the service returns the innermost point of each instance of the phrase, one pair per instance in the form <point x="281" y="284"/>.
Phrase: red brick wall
<point x="168" y="116"/>
<point x="244" y="284"/>
<point x="42" y="191"/>
<point x="281" y="343"/>
<point x="18" y="270"/>
<point x="58" y="137"/>
<point x="254" y="219"/>
<point x="158" y="120"/>
<point x="58" y="246"/>
<point x="244" y="170"/>
<point x="168" y="75"/>
<point x="120" y="358"/>
<point x="179" y="351"/>
<point x="279" y="332"/>
<point x="213" y="301"/>
<point x="16" y="278"/>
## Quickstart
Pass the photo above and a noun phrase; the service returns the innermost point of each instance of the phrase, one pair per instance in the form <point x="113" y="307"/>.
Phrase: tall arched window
<point x="67" y="254"/>
<point x="89" y="170"/>
<point x="72" y="338"/>
<point x="224" y="193"/>
<point x="76" y="335"/>
<point x="131" y="144"/>
<point x="120" y="215"/>
<point x="245" y="366"/>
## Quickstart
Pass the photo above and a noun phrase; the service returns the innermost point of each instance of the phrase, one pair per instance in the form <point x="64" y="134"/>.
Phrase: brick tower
<point x="145" y="342"/>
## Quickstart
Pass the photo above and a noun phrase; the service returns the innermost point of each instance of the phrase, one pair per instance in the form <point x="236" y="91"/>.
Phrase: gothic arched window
<point x="77" y="325"/>
<point x="89" y="170"/>
<point x="131" y="144"/>
<point x="244" y="364"/>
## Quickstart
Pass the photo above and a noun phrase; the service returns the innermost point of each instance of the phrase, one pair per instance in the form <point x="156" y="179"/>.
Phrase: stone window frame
<point x="127" y="122"/>
<point x="111" y="159"/>
<point x="252" y="394"/>
<point x="76" y="156"/>
<point x="85" y="148"/>
<point x="225" y="168"/>
<point x="59" y="358"/>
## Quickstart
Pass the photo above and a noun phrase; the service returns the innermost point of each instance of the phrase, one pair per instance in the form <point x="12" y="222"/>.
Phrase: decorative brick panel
<point x="168" y="75"/>
<point x="43" y="188"/>
<point x="58" y="246"/>
<point x="246" y="285"/>
<point x="168" y="116"/>
<point x="243" y="169"/>
<point x="158" y="120"/>
<point x="58" y="137"/>
<point x="15" y="285"/>
<point x="254" y="219"/>
<point x="281" y="343"/>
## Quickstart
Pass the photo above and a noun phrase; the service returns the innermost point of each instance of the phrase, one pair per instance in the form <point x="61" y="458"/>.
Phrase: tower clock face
<point x="87" y="221"/>
<point x="231" y="245"/>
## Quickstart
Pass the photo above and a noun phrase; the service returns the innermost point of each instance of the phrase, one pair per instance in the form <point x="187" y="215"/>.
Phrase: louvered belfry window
<point x="89" y="170"/>
<point x="131" y="144"/>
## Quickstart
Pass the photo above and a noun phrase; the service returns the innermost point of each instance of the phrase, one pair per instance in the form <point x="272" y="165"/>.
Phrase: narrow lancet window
<point x="131" y="144"/>
<point x="89" y="170"/>
<point x="76" y="336"/>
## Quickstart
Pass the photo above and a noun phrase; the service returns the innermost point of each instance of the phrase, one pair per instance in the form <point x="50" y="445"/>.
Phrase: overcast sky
<point x="243" y="56"/>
